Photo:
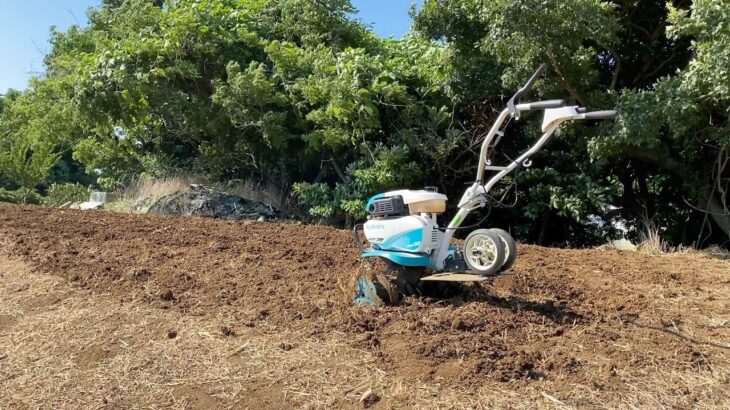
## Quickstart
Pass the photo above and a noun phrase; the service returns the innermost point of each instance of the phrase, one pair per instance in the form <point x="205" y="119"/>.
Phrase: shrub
<point x="317" y="196"/>
<point x="59" y="194"/>
<point x="17" y="196"/>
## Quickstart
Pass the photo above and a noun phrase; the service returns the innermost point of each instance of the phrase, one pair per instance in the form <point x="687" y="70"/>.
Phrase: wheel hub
<point x="482" y="252"/>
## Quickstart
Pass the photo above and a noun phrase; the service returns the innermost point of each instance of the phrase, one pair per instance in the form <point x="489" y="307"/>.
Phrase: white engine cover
<point x="416" y="234"/>
<point x="411" y="196"/>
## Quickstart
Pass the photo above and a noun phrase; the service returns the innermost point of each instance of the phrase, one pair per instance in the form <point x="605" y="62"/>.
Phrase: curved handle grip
<point x="600" y="115"/>
<point x="522" y="91"/>
<point x="528" y="85"/>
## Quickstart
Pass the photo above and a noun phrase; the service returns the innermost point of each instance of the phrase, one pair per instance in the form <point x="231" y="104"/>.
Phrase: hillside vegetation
<point x="302" y="96"/>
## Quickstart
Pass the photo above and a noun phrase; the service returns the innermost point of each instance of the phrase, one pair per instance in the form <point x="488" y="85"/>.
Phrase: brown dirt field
<point x="112" y="310"/>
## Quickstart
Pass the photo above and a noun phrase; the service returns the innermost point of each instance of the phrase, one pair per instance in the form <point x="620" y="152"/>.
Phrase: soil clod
<point x="167" y="295"/>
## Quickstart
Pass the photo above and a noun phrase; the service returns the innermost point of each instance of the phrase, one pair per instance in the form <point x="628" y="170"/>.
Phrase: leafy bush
<point x="20" y="196"/>
<point x="317" y="196"/>
<point x="59" y="194"/>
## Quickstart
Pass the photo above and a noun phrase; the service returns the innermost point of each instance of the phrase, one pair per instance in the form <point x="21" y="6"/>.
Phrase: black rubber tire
<point x="511" y="247"/>
<point x="499" y="250"/>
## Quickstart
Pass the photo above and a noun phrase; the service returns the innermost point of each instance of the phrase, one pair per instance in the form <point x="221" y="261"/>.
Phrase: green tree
<point x="655" y="161"/>
<point x="679" y="127"/>
<point x="300" y="94"/>
<point x="503" y="42"/>
<point x="35" y="128"/>
<point x="232" y="88"/>
<point x="27" y="163"/>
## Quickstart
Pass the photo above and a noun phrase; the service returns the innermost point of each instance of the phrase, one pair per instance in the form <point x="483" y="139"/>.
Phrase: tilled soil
<point x="584" y="328"/>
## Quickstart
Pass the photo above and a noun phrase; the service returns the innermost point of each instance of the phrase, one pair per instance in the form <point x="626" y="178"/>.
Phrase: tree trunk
<point x="719" y="215"/>
<point x="546" y="219"/>
<point x="338" y="170"/>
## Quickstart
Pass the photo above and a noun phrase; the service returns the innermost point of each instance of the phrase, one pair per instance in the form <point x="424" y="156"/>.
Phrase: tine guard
<point x="366" y="293"/>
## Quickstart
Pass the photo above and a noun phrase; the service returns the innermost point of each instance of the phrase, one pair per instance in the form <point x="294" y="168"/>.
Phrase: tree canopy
<point x="302" y="95"/>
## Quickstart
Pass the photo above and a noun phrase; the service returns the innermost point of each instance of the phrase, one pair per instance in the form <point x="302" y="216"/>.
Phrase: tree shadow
<point x="456" y="295"/>
<point x="683" y="337"/>
<point x="549" y="309"/>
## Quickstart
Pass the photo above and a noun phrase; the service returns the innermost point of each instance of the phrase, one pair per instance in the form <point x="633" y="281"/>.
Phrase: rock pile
<point x="199" y="200"/>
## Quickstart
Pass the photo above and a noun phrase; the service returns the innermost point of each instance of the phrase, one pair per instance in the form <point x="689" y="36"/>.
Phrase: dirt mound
<point x="199" y="200"/>
<point x="592" y="327"/>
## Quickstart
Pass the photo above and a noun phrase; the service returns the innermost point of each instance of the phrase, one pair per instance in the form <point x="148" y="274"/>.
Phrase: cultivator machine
<point x="402" y="228"/>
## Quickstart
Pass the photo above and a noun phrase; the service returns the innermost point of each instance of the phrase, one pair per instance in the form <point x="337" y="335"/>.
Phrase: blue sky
<point x="24" y="26"/>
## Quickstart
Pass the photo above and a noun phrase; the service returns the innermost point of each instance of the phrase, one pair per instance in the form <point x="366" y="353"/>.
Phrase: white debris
<point x="624" y="245"/>
<point x="85" y="206"/>
<point x="369" y="398"/>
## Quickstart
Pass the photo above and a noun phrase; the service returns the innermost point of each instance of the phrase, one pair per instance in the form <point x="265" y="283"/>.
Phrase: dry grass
<point x="68" y="348"/>
<point x="718" y="252"/>
<point x="651" y="240"/>
<point x="260" y="192"/>
<point x="147" y="190"/>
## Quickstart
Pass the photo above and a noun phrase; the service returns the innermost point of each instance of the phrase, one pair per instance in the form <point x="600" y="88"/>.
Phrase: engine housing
<point x="413" y="233"/>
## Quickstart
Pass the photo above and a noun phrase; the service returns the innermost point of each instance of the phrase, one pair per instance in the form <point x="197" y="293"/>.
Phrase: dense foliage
<point x="301" y="95"/>
<point x="60" y="194"/>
